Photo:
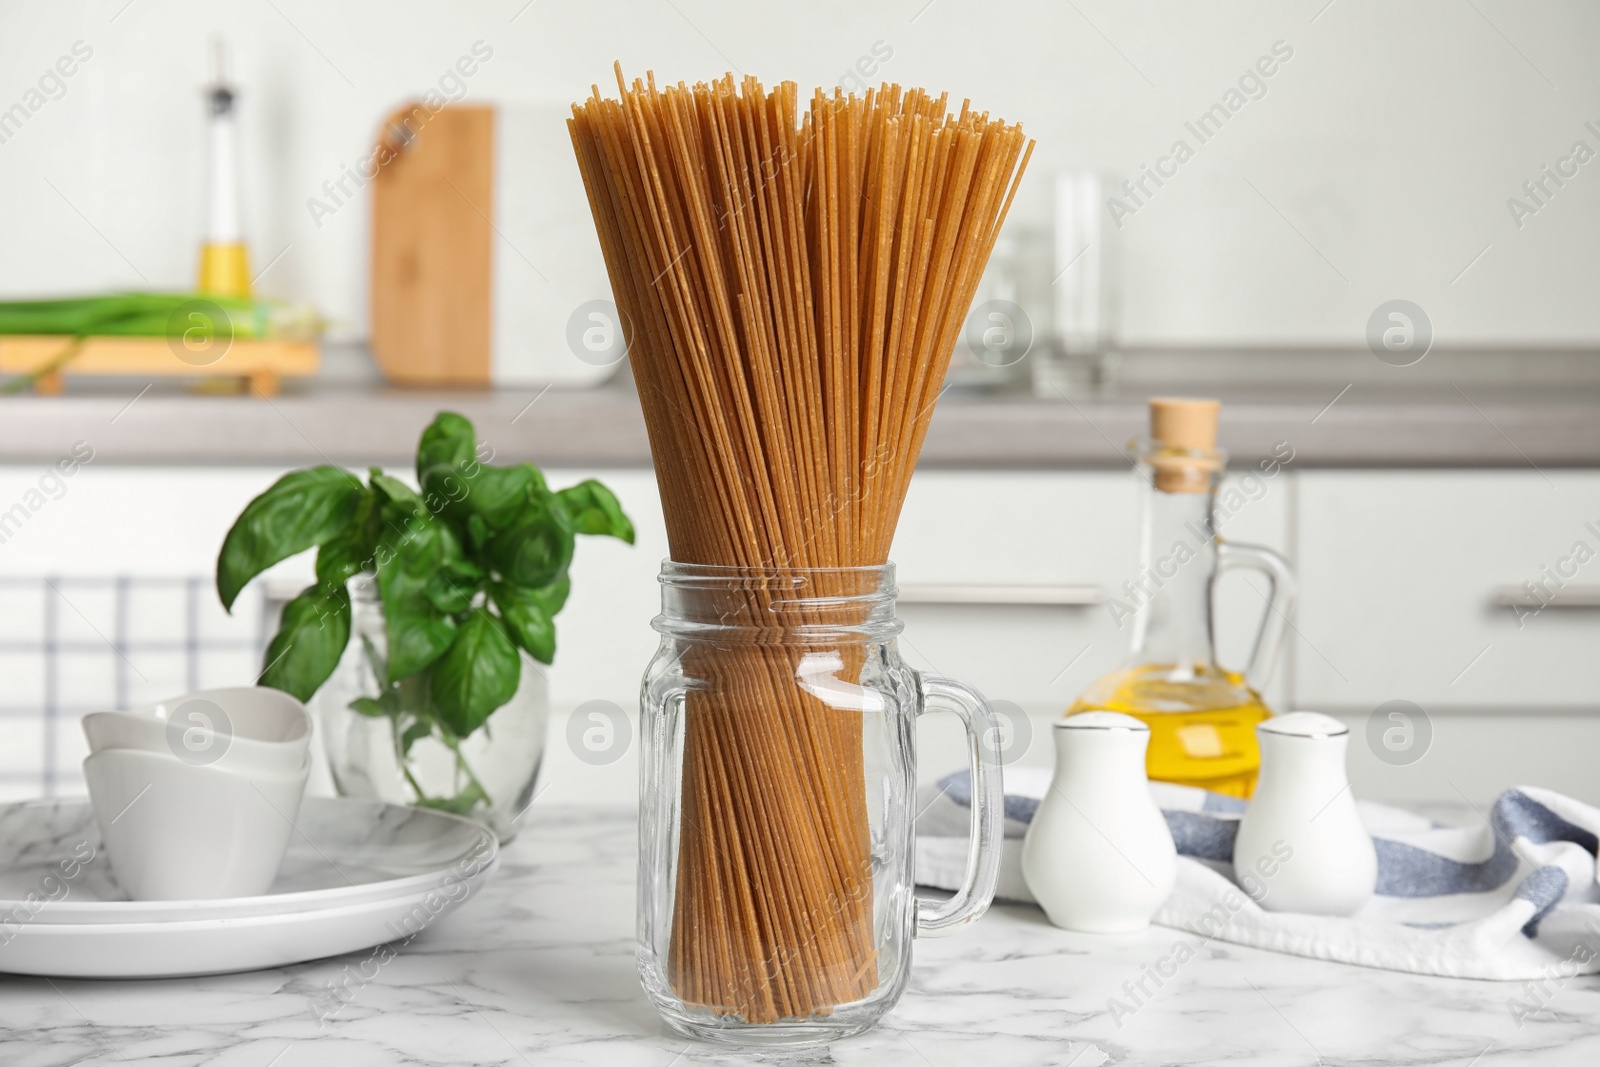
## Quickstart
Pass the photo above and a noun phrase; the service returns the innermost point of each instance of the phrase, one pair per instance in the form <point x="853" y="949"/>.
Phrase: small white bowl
<point x="181" y="831"/>
<point x="248" y="728"/>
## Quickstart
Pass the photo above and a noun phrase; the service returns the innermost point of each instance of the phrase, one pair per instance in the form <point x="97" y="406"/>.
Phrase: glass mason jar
<point x="404" y="758"/>
<point x="777" y="802"/>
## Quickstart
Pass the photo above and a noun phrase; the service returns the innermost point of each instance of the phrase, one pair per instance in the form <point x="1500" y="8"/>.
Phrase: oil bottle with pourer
<point x="1202" y="717"/>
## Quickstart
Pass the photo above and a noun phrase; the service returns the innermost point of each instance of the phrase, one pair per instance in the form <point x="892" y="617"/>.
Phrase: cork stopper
<point x="1184" y="432"/>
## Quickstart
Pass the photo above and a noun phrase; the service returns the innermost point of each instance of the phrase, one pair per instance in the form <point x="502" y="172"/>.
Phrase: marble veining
<point x="539" y="969"/>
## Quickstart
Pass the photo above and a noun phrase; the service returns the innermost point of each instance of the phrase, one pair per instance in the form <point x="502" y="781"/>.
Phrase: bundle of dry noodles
<point x="791" y="286"/>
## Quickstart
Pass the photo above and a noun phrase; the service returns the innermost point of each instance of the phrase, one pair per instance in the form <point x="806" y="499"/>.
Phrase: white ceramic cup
<point x="246" y="728"/>
<point x="182" y="831"/>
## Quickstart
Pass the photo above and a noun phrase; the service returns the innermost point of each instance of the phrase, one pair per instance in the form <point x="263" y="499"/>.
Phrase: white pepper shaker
<point x="1098" y="856"/>
<point x="1301" y="844"/>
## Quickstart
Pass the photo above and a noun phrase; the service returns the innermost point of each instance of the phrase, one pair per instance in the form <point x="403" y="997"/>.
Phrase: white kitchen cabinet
<point x="1474" y="756"/>
<point x="1010" y="531"/>
<point x="1399" y="571"/>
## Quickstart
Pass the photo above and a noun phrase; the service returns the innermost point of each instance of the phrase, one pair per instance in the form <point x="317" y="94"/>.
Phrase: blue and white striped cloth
<point x="1512" y="898"/>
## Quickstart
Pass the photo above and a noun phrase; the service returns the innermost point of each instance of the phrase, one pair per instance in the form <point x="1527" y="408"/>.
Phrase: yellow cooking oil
<point x="1202" y="723"/>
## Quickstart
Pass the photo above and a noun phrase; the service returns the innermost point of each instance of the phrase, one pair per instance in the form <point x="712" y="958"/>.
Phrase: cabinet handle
<point x="1572" y="597"/>
<point x="1004" y="596"/>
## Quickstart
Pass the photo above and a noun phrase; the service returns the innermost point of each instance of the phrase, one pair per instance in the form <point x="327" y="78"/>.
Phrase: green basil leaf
<point x="416" y="731"/>
<point x="416" y="637"/>
<point x="478" y="532"/>
<point x="398" y="492"/>
<point x="499" y="493"/>
<point x="418" y="542"/>
<point x="527" y="620"/>
<point x="465" y="570"/>
<point x="452" y="588"/>
<point x="593" y="509"/>
<point x="408" y="556"/>
<point x="416" y="640"/>
<point x="301" y="510"/>
<point x="478" y="673"/>
<point x="352" y="552"/>
<point x="553" y="597"/>
<point x="449" y="446"/>
<point x="309" y="643"/>
<point x="367" y="706"/>
<point x="536" y="548"/>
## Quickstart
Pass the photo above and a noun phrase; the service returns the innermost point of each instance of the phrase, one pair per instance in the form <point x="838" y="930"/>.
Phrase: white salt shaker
<point x="1301" y="845"/>
<point x="1099" y="857"/>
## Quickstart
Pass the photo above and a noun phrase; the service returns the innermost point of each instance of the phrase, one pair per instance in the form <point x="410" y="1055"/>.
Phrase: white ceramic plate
<point x="357" y="873"/>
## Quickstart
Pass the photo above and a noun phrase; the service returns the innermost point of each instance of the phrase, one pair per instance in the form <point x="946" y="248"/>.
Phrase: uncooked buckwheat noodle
<point x="791" y="291"/>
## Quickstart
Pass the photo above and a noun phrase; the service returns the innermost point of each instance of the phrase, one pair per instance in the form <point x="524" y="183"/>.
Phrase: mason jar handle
<point x="988" y="808"/>
<point x="1275" y="620"/>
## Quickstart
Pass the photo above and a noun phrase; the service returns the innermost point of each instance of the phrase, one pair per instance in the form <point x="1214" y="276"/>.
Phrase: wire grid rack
<point x="70" y="645"/>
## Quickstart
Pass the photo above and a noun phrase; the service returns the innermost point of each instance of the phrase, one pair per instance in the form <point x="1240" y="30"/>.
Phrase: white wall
<point x="1377" y="165"/>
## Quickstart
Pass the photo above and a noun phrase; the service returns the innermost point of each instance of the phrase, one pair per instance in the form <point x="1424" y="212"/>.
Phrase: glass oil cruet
<point x="1202" y="717"/>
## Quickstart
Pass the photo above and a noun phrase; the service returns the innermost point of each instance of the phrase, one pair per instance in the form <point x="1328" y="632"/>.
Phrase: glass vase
<point x="404" y="758"/>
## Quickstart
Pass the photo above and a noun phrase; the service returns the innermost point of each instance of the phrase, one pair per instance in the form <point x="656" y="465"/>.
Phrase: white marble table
<point x="539" y="970"/>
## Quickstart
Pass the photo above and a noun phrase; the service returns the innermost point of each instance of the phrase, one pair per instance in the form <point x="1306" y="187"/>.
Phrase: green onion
<point x="157" y="315"/>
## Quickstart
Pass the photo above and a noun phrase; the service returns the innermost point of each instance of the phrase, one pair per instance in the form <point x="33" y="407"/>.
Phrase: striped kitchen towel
<point x="1512" y="898"/>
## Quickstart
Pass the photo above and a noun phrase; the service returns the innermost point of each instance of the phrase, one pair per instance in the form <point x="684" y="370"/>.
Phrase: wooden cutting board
<point x="433" y="204"/>
<point x="257" y="364"/>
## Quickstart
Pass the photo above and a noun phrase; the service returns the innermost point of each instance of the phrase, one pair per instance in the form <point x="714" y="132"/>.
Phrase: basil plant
<point x="470" y="569"/>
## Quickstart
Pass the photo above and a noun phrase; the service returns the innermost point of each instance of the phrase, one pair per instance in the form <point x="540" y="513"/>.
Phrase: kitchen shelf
<point x="1468" y="410"/>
